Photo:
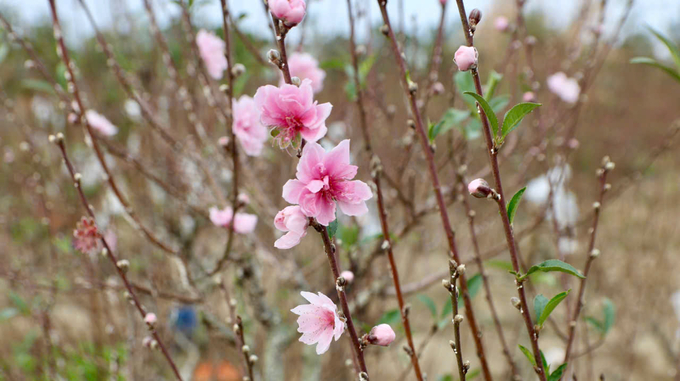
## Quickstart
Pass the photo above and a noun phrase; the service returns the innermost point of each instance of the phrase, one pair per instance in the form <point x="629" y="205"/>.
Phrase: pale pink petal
<point x="292" y="191"/>
<point x="358" y="209"/>
<point x="315" y="134"/>
<point x="312" y="298"/>
<point x="288" y="240"/>
<point x="221" y="217"/>
<point x="337" y="161"/>
<point x="307" y="169"/>
<point x="315" y="185"/>
<point x="325" y="339"/>
<point x="244" y="223"/>
<point x="325" y="210"/>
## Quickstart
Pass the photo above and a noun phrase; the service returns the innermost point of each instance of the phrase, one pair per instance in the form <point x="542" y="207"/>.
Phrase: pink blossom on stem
<point x="244" y="223"/>
<point x="322" y="178"/>
<point x="564" y="87"/>
<point x="348" y="275"/>
<point x="304" y="66"/>
<point x="382" y="335"/>
<point x="501" y="23"/>
<point x="319" y="321"/>
<point x="291" y="110"/>
<point x="100" y="123"/>
<point x="150" y="319"/>
<point x="292" y="221"/>
<point x="247" y="127"/>
<point x="479" y="188"/>
<point x="212" y="48"/>
<point x="291" y="12"/>
<point x="86" y="236"/>
<point x="529" y="96"/>
<point x="465" y="57"/>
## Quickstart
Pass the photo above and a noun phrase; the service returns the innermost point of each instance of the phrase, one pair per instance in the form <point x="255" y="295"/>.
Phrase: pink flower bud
<point x="573" y="143"/>
<point x="348" y="275"/>
<point x="529" y="96"/>
<point x="223" y="141"/>
<point x="291" y="12"/>
<point x="146" y="342"/>
<point x="243" y="198"/>
<point x="150" y="319"/>
<point x="438" y="88"/>
<point x="465" y="57"/>
<point x="501" y="24"/>
<point x="479" y="188"/>
<point x="382" y="335"/>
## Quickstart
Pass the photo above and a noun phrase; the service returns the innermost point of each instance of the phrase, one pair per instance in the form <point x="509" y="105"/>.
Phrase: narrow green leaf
<point x="598" y="325"/>
<point x="332" y="228"/>
<point x="540" y="302"/>
<point x="672" y="48"/>
<point x="546" y="366"/>
<point x="554" y="265"/>
<point x="488" y="111"/>
<point x="390" y="317"/>
<point x="550" y="307"/>
<point x="653" y="62"/>
<point x="609" y="315"/>
<point x="514" y="203"/>
<point x="491" y="84"/>
<point x="37" y="85"/>
<point x="429" y="303"/>
<point x="528" y="354"/>
<point x="332" y="64"/>
<point x="499" y="264"/>
<point x="474" y="284"/>
<point x="557" y="374"/>
<point x="451" y="118"/>
<point x="515" y="116"/>
<point x="498" y="103"/>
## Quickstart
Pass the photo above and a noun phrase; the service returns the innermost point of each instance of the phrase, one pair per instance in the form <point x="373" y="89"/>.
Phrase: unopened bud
<point x="438" y="88"/>
<point x="412" y="87"/>
<point x="123" y="265"/>
<point x="295" y="81"/>
<point x="77" y="177"/>
<point x="52" y="138"/>
<point x="150" y="319"/>
<point x="245" y="349"/>
<point x="466" y="366"/>
<point x="238" y="70"/>
<point x="458" y="319"/>
<point x="460" y="269"/>
<point x="516" y="302"/>
<point x="253" y="359"/>
<point x="609" y="166"/>
<point x="595" y="253"/>
<point x="479" y="188"/>
<point x="411" y="124"/>
<point x="596" y="205"/>
<point x="385" y="30"/>
<point x="274" y="56"/>
<point x="447" y="284"/>
<point x="475" y="18"/>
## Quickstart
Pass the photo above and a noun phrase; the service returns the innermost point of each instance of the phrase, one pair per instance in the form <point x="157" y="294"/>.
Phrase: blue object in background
<point x="185" y="319"/>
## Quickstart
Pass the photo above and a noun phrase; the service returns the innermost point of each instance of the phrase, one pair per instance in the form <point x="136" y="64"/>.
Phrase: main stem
<point x="492" y="151"/>
<point x="376" y="171"/>
<point x="429" y="156"/>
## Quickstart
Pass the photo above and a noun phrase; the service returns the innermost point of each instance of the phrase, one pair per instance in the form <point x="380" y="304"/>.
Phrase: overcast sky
<point x="329" y="16"/>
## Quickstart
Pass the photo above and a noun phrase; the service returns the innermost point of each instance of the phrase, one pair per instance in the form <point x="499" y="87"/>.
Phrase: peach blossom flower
<point x="382" y="335"/>
<point x="319" y="321"/>
<point x="86" y="236"/>
<point x="348" y="275"/>
<point x="322" y="178"/>
<point x="291" y="110"/>
<point x="290" y="11"/>
<point x="303" y="65"/>
<point x="529" y="96"/>
<point x="244" y="223"/>
<point x="212" y="48"/>
<point x="100" y="123"/>
<point x="501" y="23"/>
<point x="292" y="221"/>
<point x="465" y="57"/>
<point x="247" y="127"/>
<point x="564" y="87"/>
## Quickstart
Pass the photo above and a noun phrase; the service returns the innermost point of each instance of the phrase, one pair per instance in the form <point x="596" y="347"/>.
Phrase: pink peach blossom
<point x="501" y="23"/>
<point x="529" y="96"/>
<point x="465" y="57"/>
<point x="382" y="335"/>
<point x="322" y="178"/>
<point x="86" y="236"/>
<point x="564" y="87"/>
<point x="292" y="221"/>
<point x="150" y="319"/>
<point x="319" y="321"/>
<point x="100" y="123"/>
<point x="479" y="188"/>
<point x="244" y="223"/>
<point x="247" y="127"/>
<point x="291" y="110"/>
<point x="303" y="65"/>
<point x="348" y="275"/>
<point x="290" y="11"/>
<point x="212" y="48"/>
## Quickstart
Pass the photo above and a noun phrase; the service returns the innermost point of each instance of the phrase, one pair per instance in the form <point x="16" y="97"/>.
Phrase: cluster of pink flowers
<point x="212" y="48"/>
<point x="564" y="87"/>
<point x="243" y="223"/>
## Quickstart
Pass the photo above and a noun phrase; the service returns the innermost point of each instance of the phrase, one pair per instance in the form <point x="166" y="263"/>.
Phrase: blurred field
<point x="60" y="309"/>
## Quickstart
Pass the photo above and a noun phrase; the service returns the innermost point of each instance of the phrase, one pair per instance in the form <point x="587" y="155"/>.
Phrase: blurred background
<point x="64" y="315"/>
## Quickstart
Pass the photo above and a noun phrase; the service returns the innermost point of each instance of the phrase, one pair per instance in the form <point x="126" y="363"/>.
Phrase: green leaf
<point x="550" y="306"/>
<point x="609" y="314"/>
<point x="445" y="377"/>
<point x="332" y="228"/>
<point x="451" y="118"/>
<point x="554" y="265"/>
<point x="473" y="129"/>
<point x="390" y="317"/>
<point x="335" y="63"/>
<point x="348" y="235"/>
<point x="528" y="354"/>
<point x="365" y="68"/>
<point x="474" y="284"/>
<point x="514" y="203"/>
<point x="464" y="83"/>
<point x="37" y="85"/>
<point x="515" y="116"/>
<point x="540" y="302"/>
<point x="546" y="366"/>
<point x="499" y="264"/>
<point x="429" y="303"/>
<point x="488" y="111"/>
<point x="491" y="84"/>
<point x="653" y="62"/>
<point x="498" y="103"/>
<point x="557" y="374"/>
<point x="672" y="48"/>
<point x="471" y="375"/>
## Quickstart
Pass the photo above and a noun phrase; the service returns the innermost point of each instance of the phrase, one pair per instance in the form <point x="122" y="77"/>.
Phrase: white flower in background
<point x="554" y="356"/>
<point x="133" y="110"/>
<point x="565" y="207"/>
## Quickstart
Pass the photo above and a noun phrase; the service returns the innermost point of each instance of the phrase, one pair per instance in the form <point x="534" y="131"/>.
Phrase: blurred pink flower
<point x="290" y="11"/>
<point x="244" y="223"/>
<point x="348" y="275"/>
<point x="381" y="334"/>
<point x="294" y="222"/>
<point x="529" y="96"/>
<point x="291" y="110"/>
<point x="303" y="65"/>
<point x="564" y="87"/>
<point x="211" y="48"/>
<point x="111" y="239"/>
<point x="100" y="123"/>
<point x="501" y="23"/>
<point x="465" y="57"/>
<point x="247" y="127"/>
<point x="150" y="319"/>
<point x="86" y="236"/>
<point x="319" y="321"/>
<point x="323" y="178"/>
